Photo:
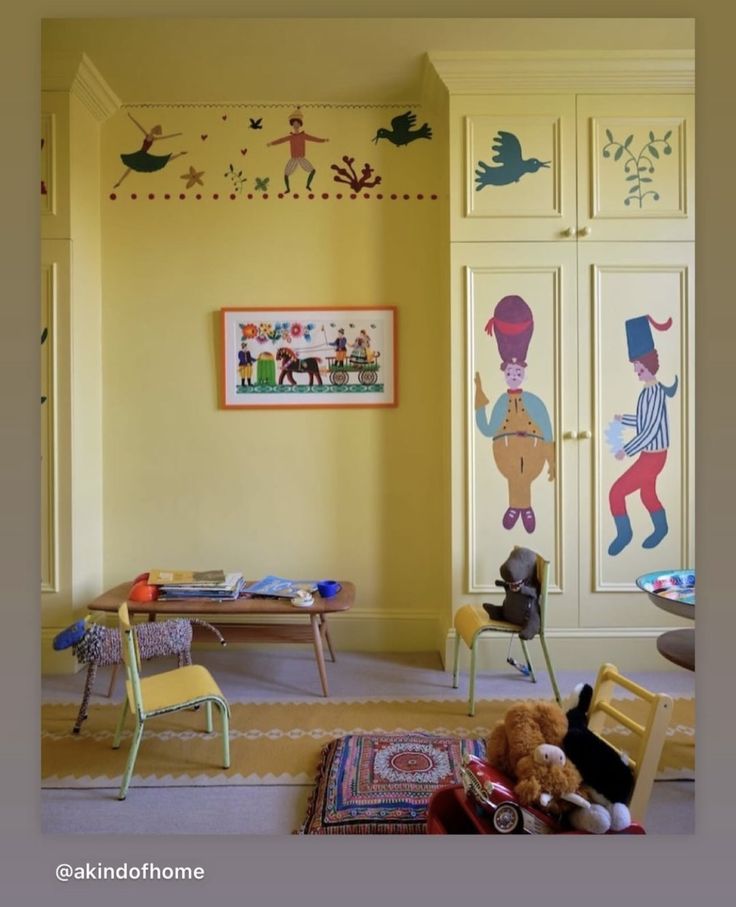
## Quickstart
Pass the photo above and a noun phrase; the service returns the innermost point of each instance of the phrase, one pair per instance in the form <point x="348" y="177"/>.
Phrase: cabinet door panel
<point x="522" y="479"/>
<point x="513" y="167"/>
<point x="636" y="157"/>
<point x="636" y="308"/>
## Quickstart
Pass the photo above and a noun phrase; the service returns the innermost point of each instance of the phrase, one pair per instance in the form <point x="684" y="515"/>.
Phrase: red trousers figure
<point x="640" y="476"/>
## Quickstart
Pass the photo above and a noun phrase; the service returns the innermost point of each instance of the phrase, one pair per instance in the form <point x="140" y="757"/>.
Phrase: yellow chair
<point x="160" y="694"/>
<point x="650" y="735"/>
<point x="472" y="622"/>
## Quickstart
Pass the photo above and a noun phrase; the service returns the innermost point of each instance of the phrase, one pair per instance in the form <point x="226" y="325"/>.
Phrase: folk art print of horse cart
<point x="339" y="357"/>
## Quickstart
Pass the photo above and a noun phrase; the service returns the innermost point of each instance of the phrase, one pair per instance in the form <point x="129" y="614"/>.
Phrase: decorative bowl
<point x="672" y="590"/>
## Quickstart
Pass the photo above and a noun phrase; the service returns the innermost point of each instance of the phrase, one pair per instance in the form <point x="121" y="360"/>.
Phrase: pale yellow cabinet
<point x="572" y="167"/>
<point x="544" y="439"/>
<point x="572" y="253"/>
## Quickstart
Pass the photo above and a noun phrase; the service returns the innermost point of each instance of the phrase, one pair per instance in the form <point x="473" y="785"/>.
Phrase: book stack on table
<point x="215" y="585"/>
<point x="280" y="587"/>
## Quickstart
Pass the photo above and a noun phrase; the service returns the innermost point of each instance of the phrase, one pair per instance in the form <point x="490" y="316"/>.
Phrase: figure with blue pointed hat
<point x="651" y="440"/>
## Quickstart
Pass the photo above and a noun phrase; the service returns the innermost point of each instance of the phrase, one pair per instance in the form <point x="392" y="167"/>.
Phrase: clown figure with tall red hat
<point x="651" y="438"/>
<point x="518" y="424"/>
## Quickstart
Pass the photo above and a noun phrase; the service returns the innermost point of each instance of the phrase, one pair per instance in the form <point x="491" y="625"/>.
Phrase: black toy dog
<point x="606" y="775"/>
<point x="521" y="602"/>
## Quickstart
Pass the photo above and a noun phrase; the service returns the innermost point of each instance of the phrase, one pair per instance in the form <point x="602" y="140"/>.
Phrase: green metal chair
<point x="161" y="694"/>
<point x="472" y="623"/>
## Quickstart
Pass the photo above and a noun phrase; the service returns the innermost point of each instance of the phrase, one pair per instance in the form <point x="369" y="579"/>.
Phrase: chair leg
<point x="552" y="677"/>
<point x="135" y="743"/>
<point x="225" y="735"/>
<point x="456" y="661"/>
<point x="208" y="707"/>
<point x="471" y="683"/>
<point x="528" y="660"/>
<point x="120" y="724"/>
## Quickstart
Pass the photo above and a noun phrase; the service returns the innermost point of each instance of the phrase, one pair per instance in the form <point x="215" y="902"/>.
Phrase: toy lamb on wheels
<point x="98" y="646"/>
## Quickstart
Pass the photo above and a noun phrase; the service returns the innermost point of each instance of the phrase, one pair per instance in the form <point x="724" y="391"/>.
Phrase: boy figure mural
<point x="245" y="365"/>
<point x="651" y="440"/>
<point x="519" y="423"/>
<point x="297" y="145"/>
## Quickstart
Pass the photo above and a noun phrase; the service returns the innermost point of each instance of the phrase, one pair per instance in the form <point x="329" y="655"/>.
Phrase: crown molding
<point x="494" y="72"/>
<point x="434" y="93"/>
<point x="77" y="74"/>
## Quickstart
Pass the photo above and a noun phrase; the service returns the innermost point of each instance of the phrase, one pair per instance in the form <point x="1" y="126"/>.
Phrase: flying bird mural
<point x="511" y="165"/>
<point x="402" y="130"/>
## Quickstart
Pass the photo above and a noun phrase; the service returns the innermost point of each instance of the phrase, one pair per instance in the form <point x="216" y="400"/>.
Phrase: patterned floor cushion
<point x="381" y="783"/>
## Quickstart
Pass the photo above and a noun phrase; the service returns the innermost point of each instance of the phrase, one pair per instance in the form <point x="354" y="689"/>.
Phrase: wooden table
<point x="677" y="646"/>
<point x="310" y="624"/>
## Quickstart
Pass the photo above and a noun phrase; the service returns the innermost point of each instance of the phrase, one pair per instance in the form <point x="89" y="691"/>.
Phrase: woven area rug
<point x="381" y="783"/>
<point x="282" y="743"/>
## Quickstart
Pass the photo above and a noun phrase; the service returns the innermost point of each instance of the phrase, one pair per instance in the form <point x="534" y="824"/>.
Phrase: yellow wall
<point x="358" y="494"/>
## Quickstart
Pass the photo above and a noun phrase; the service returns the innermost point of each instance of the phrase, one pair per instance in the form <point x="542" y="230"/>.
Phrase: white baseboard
<point x="571" y="649"/>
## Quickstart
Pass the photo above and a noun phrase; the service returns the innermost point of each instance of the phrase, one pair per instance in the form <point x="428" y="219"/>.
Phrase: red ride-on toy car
<point x="485" y="803"/>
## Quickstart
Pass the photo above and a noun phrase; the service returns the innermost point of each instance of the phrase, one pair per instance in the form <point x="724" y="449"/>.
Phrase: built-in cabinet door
<point x="55" y="463"/>
<point x="517" y="310"/>
<point x="635" y="167"/>
<point x="636" y="399"/>
<point x="512" y="160"/>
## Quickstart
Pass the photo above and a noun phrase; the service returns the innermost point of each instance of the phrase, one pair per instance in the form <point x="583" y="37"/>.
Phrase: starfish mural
<point x="194" y="177"/>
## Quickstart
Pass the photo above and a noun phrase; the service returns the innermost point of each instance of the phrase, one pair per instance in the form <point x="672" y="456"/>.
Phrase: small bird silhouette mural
<point x="402" y="130"/>
<point x="256" y="123"/>
<point x="512" y="165"/>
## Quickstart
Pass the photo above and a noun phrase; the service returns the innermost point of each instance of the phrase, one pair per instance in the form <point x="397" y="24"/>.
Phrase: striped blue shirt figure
<point x="650" y="442"/>
<point x="651" y="423"/>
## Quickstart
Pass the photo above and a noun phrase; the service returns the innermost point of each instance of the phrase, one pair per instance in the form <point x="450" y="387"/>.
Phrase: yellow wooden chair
<point x="160" y="694"/>
<point x="649" y="735"/>
<point x="472" y="622"/>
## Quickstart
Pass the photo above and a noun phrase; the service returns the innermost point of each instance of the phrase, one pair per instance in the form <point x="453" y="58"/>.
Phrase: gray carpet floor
<point x="290" y="674"/>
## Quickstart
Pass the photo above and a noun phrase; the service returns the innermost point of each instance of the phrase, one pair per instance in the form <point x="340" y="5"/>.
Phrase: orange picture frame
<point x="330" y="357"/>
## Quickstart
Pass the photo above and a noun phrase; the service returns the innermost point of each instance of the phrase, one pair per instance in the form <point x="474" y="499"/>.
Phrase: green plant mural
<point x="637" y="166"/>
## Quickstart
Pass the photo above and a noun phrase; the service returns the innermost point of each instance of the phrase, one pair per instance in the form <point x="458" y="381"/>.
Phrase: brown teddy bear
<point x="526" y="746"/>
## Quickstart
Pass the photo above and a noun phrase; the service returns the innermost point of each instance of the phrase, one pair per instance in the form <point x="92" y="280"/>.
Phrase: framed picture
<point x="304" y="357"/>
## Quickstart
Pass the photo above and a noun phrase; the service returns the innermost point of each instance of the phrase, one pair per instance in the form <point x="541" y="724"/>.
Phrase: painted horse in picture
<point x="291" y="363"/>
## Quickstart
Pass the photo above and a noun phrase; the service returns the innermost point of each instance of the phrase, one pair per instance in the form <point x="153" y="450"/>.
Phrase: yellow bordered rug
<point x="281" y="742"/>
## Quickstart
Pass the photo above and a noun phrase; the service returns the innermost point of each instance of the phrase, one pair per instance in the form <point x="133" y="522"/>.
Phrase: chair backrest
<point x="650" y="735"/>
<point x="131" y="656"/>
<point x="543" y="580"/>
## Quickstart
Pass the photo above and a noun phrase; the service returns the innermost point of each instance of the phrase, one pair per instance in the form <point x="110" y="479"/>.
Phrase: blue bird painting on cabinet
<point x="511" y="164"/>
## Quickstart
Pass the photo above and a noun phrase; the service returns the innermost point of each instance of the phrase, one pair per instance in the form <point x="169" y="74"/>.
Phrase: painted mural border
<point x="48" y="168"/>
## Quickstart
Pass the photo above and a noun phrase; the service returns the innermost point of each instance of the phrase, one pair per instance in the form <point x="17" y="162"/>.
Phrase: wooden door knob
<point x="569" y="232"/>
<point x="571" y="435"/>
<point x="584" y="231"/>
